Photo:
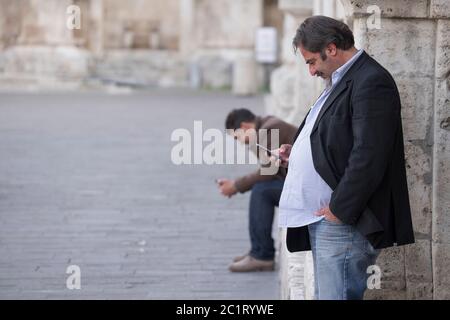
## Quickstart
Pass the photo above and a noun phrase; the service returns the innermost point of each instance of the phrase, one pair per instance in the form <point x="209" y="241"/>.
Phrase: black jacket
<point x="357" y="148"/>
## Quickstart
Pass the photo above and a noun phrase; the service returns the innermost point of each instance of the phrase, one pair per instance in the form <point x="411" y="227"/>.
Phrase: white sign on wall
<point x="266" y="45"/>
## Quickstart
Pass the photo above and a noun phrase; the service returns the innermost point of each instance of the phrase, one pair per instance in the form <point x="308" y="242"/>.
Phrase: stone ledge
<point x="62" y="62"/>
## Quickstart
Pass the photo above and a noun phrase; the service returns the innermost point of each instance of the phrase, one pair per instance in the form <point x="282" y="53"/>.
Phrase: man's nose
<point x="312" y="70"/>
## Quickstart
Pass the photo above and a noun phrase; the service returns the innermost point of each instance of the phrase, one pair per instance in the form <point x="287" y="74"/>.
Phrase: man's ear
<point x="331" y="49"/>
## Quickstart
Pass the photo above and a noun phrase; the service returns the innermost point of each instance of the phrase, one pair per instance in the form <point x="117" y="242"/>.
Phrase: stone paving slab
<point x="86" y="179"/>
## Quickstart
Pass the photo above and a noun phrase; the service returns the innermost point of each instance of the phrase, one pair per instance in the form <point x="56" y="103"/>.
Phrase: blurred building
<point x="136" y="42"/>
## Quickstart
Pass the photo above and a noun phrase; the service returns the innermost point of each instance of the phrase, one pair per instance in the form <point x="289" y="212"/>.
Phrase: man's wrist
<point x="233" y="185"/>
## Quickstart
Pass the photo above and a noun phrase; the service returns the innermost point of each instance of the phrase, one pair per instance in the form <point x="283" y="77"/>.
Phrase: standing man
<point x="345" y="195"/>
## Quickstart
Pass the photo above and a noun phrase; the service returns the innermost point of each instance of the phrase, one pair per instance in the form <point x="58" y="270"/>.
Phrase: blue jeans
<point x="341" y="256"/>
<point x="264" y="198"/>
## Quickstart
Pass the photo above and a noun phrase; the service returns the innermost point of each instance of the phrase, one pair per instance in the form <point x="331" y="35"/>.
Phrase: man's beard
<point x="319" y="74"/>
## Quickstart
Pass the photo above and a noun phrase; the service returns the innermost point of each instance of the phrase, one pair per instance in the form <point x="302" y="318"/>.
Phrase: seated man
<point x="265" y="188"/>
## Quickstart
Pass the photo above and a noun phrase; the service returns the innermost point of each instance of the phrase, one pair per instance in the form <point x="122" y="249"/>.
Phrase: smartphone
<point x="269" y="151"/>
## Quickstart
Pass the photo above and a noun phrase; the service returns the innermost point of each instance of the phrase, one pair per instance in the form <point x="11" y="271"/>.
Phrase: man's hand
<point x="227" y="187"/>
<point x="329" y="216"/>
<point x="283" y="154"/>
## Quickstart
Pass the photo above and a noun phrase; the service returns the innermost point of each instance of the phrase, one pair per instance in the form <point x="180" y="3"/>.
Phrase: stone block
<point x="418" y="263"/>
<point x="419" y="291"/>
<point x="47" y="62"/>
<point x="392" y="47"/>
<point x="440" y="9"/>
<point x="441" y="276"/>
<point x="295" y="274"/>
<point x="283" y="264"/>
<point x="216" y="72"/>
<point x="290" y="25"/>
<point x="418" y="169"/>
<point x="142" y="67"/>
<point x="282" y="88"/>
<point x="296" y="6"/>
<point x="416" y="96"/>
<point x="309" y="276"/>
<point x="244" y="76"/>
<point x="441" y="163"/>
<point x="138" y="22"/>
<point x="399" y="8"/>
<point x="392" y="264"/>
<point x="234" y="26"/>
<point x="384" y="294"/>
<point x="443" y="48"/>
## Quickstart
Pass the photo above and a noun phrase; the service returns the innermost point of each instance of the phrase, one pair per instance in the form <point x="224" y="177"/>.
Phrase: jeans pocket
<point x="332" y="222"/>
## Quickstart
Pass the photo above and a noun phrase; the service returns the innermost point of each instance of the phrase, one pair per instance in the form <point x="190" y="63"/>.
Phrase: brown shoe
<point x="249" y="264"/>
<point x="239" y="258"/>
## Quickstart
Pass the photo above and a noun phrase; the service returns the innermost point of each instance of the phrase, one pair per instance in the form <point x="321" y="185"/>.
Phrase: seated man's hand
<point x="283" y="154"/>
<point x="227" y="187"/>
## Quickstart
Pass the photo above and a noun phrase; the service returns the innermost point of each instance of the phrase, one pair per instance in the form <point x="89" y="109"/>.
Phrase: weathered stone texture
<point x="389" y="8"/>
<point x="441" y="276"/>
<point x="142" y="67"/>
<point x="140" y="19"/>
<point x="43" y="61"/>
<point x="440" y="8"/>
<point x="234" y="24"/>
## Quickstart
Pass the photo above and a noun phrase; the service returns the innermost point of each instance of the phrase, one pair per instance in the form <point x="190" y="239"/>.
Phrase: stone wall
<point x="413" y="44"/>
<point x="36" y="45"/>
<point x="216" y="35"/>
<point x="141" y="68"/>
<point x="34" y="22"/>
<point x="211" y="38"/>
<point x="148" y="24"/>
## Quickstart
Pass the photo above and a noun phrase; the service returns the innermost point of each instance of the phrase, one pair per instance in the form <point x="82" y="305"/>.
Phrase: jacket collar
<point x="341" y="86"/>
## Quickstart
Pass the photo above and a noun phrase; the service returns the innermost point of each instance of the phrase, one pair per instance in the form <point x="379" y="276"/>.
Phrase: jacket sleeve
<point x="375" y="119"/>
<point x="245" y="183"/>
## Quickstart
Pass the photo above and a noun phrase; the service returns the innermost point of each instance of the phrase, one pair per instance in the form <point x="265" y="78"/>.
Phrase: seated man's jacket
<point x="286" y="133"/>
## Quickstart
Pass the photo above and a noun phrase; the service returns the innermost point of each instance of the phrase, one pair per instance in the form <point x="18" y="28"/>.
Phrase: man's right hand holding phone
<point x="283" y="154"/>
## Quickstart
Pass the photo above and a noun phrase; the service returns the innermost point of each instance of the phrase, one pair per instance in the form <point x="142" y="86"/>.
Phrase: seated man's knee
<point x="262" y="190"/>
<point x="259" y="187"/>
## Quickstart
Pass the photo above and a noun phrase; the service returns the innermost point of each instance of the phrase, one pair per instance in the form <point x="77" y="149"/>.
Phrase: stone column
<point x="96" y="27"/>
<point x="292" y="92"/>
<point x="291" y="89"/>
<point x="187" y="28"/>
<point x="211" y="49"/>
<point x="441" y="155"/>
<point x="244" y="76"/>
<point x="413" y="43"/>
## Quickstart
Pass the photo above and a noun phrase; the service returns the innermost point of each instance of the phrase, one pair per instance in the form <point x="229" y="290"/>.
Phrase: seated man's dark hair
<point x="237" y="116"/>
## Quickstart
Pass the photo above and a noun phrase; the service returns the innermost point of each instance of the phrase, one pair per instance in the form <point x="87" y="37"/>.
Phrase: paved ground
<point x="87" y="179"/>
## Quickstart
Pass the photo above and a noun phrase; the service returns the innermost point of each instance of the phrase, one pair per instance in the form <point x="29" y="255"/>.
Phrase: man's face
<point x="318" y="66"/>
<point x="245" y="133"/>
<point x="240" y="136"/>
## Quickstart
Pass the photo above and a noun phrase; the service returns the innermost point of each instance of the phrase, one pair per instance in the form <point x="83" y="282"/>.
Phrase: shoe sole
<point x="260" y="269"/>
<point x="238" y="259"/>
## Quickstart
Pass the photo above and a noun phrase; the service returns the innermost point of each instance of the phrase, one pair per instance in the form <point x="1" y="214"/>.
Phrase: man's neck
<point x="348" y="54"/>
<point x="344" y="58"/>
